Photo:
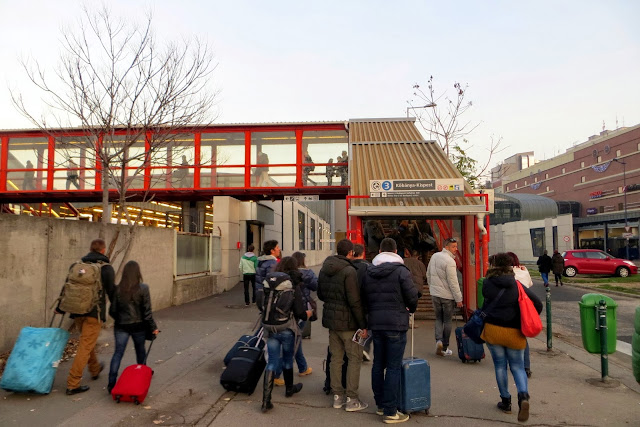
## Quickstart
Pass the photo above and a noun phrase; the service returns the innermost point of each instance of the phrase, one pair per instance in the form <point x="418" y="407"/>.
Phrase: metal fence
<point x="197" y="253"/>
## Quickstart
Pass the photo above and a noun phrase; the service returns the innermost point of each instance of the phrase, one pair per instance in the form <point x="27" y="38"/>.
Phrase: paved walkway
<point x="187" y="359"/>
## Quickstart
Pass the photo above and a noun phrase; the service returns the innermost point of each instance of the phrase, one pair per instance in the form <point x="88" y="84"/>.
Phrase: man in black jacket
<point x="89" y="324"/>
<point x="545" y="265"/>
<point x="360" y="263"/>
<point x="343" y="315"/>
<point x="389" y="295"/>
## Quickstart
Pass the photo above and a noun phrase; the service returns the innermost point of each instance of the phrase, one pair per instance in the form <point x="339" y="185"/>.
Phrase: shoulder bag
<point x="473" y="328"/>
<point x="530" y="323"/>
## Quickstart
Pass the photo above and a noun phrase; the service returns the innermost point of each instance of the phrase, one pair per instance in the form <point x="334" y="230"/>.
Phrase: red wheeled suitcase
<point x="133" y="384"/>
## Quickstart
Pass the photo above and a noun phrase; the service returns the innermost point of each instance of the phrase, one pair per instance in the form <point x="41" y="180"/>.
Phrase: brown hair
<point x="130" y="282"/>
<point x="98" y="245"/>
<point x="299" y="257"/>
<point x="287" y="264"/>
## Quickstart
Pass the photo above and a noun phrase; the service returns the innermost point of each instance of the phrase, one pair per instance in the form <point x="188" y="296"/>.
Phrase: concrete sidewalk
<point x="187" y="359"/>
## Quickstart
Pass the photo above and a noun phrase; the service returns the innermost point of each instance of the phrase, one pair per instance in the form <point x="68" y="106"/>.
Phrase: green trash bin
<point x="479" y="297"/>
<point x="589" y="321"/>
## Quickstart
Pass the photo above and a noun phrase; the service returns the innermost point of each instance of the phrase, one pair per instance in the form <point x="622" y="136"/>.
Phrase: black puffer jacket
<point x="338" y="288"/>
<point x="107" y="276"/>
<point x="389" y="295"/>
<point x="136" y="311"/>
<point x="507" y="311"/>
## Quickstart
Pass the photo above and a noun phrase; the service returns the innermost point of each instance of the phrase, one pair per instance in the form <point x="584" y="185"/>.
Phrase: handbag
<point x="530" y="323"/>
<point x="473" y="328"/>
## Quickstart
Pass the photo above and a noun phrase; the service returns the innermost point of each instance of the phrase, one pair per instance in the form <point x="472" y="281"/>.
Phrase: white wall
<point x="516" y="237"/>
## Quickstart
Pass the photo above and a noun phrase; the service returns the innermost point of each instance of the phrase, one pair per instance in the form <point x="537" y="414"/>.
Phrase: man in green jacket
<point x="248" y="265"/>
<point x="343" y="315"/>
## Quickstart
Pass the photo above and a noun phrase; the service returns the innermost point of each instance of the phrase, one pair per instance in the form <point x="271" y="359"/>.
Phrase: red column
<point x="298" y="158"/>
<point x="196" y="161"/>
<point x="247" y="159"/>
<point x="51" y="162"/>
<point x="147" y="163"/>
<point x="4" y="159"/>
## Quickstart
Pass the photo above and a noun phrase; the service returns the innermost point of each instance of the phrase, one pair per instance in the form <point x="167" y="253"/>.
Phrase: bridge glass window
<point x="324" y="148"/>
<point x="225" y="150"/>
<point x="181" y="154"/>
<point x="27" y="164"/>
<point x="301" y="231"/>
<point x="74" y="163"/>
<point x="269" y="148"/>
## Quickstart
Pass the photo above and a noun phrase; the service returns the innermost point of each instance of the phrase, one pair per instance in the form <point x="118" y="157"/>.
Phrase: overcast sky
<point x="543" y="75"/>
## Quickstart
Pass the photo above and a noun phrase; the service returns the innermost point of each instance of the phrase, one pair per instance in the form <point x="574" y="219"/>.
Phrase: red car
<point x="594" y="261"/>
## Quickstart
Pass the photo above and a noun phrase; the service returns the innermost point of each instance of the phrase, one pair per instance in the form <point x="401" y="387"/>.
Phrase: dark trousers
<point x="121" y="338"/>
<point x="388" y="349"/>
<point x="249" y="279"/>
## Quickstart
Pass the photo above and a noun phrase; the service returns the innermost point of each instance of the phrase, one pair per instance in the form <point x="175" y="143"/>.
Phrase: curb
<point x="604" y="291"/>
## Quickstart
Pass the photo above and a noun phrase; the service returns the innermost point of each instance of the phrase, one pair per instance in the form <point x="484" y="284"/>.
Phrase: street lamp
<point x="429" y="105"/>
<point x="624" y="190"/>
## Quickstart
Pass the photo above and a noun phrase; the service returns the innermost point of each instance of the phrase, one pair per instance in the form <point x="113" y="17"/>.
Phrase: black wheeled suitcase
<point x="245" y="368"/>
<point x="245" y="341"/>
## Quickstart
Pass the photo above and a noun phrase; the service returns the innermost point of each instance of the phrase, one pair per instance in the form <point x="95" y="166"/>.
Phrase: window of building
<point x="516" y="186"/>
<point x="599" y="159"/>
<point x="581" y="164"/>
<point x="618" y="153"/>
<point x="555" y="237"/>
<point x="312" y="234"/>
<point x="301" y="231"/>
<point x="563" y="170"/>
<point x="620" y="206"/>
<point x="525" y="182"/>
<point x="535" y="179"/>
<point x="546" y="176"/>
<point x="547" y="188"/>
<point x="537" y="241"/>
<point x="507" y="188"/>
<point x="583" y="179"/>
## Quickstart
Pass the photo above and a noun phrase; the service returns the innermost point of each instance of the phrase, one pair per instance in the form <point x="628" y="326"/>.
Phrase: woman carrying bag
<point x="131" y="310"/>
<point x="502" y="332"/>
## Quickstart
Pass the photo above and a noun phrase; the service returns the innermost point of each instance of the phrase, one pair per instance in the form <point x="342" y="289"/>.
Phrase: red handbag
<point x="530" y="323"/>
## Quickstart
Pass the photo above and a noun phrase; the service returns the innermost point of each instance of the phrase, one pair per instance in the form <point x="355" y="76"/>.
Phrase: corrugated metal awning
<point x="395" y="149"/>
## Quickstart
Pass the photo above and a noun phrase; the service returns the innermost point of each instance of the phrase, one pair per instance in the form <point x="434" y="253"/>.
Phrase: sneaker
<point x="355" y="405"/>
<point x="439" y="348"/>
<point x="338" y="401"/>
<point x="278" y="381"/>
<point x="366" y="356"/>
<point x="399" y="417"/>
<point x="307" y="372"/>
<point x="380" y="411"/>
<point x="447" y="352"/>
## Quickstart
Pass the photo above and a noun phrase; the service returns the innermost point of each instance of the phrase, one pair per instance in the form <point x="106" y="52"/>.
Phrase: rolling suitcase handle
<point x="54" y="316"/>
<point x="412" y="320"/>
<point x="148" y="351"/>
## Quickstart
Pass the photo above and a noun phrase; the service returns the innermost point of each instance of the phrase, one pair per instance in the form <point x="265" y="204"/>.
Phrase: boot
<point x="266" y="391"/>
<point x="505" y="405"/>
<point x="523" y="403"/>
<point x="291" y="388"/>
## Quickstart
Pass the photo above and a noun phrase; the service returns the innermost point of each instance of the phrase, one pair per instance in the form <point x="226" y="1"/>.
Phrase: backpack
<point x="278" y="296"/>
<point x="82" y="289"/>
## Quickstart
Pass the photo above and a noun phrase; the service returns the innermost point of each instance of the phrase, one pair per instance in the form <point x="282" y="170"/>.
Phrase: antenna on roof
<point x="603" y="126"/>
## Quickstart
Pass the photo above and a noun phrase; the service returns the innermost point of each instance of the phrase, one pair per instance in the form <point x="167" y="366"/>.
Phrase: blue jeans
<point x="122" y="338"/>
<point x="501" y="355"/>
<point x="280" y="350"/>
<point x="301" y="361"/>
<point x="388" y="349"/>
<point x="545" y="277"/>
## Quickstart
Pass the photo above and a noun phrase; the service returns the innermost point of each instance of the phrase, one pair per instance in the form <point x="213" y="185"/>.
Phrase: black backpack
<point x="278" y="301"/>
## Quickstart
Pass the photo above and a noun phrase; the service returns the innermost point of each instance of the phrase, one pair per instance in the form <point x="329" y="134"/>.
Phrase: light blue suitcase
<point x="33" y="362"/>
<point x="415" y="383"/>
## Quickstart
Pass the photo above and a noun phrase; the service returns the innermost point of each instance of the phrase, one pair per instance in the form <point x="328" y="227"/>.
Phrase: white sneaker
<point x="355" y="405"/>
<point x="338" y="401"/>
<point x="399" y="417"/>
<point x="439" y="348"/>
<point x="447" y="352"/>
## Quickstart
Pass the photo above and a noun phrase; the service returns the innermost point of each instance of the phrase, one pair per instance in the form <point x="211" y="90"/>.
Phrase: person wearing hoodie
<point x="502" y="332"/>
<point x="389" y="295"/>
<point x="360" y="263"/>
<point x="266" y="264"/>
<point x="343" y="315"/>
<point x="445" y="292"/>
<point x="247" y="267"/>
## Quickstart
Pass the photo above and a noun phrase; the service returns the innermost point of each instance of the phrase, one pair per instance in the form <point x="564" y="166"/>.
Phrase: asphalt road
<point x="566" y="312"/>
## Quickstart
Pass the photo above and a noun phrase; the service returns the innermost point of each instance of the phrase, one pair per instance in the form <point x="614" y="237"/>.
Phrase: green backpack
<point x="82" y="289"/>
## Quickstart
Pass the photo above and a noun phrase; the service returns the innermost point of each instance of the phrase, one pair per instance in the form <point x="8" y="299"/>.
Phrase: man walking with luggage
<point x="90" y="323"/>
<point x="389" y="295"/>
<point x="343" y="315"/>
<point x="445" y="292"/>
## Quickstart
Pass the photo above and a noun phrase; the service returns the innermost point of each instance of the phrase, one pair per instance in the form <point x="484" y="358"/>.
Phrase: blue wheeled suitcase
<point x="33" y="362"/>
<point x="468" y="350"/>
<point x="415" y="383"/>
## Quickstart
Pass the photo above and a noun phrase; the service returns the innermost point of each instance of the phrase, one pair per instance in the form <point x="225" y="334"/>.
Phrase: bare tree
<point x="445" y="121"/>
<point x="133" y="98"/>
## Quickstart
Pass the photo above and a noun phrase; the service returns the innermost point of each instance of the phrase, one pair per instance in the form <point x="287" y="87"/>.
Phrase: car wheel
<point x="570" y="271"/>
<point x="623" y="271"/>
